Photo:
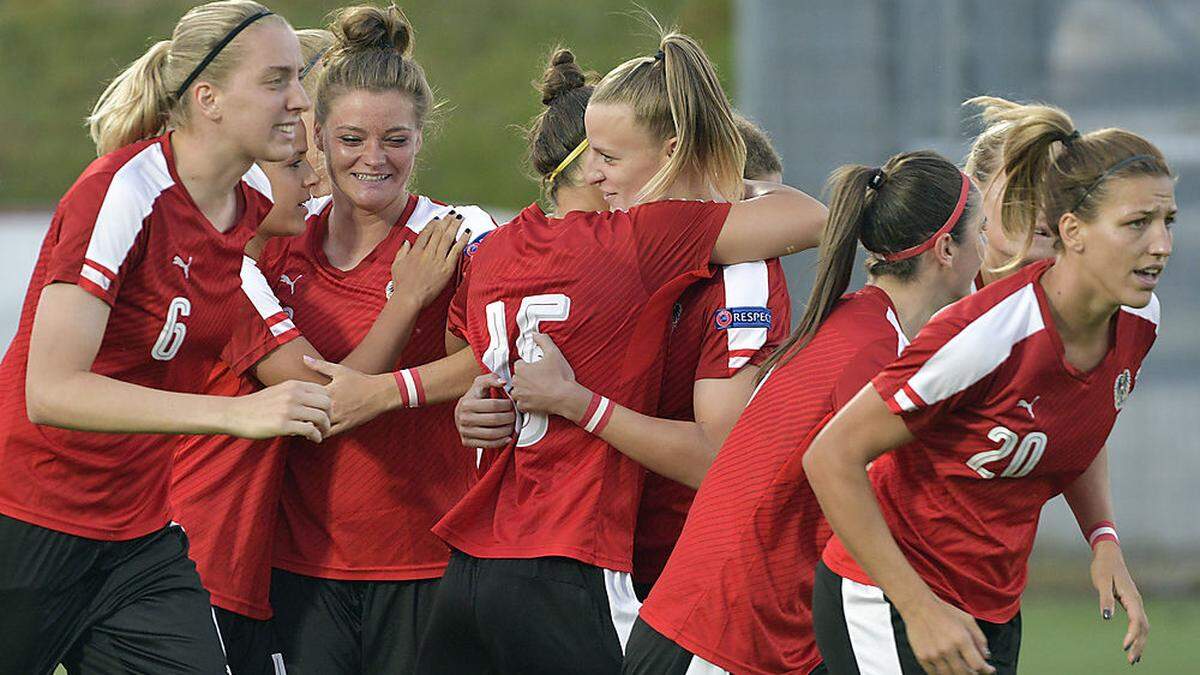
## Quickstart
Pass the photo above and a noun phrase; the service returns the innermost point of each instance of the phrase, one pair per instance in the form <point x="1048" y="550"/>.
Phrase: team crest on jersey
<point x="389" y="289"/>
<point x="474" y="245"/>
<point x="742" y="317"/>
<point x="1121" y="388"/>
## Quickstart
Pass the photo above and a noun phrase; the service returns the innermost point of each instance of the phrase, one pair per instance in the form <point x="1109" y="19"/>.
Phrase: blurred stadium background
<point x="832" y="82"/>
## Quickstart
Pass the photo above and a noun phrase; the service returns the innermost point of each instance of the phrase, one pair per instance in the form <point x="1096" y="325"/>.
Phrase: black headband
<point x="216" y="50"/>
<point x="659" y="55"/>
<point x="877" y="178"/>
<point x="312" y="62"/>
<point x="1111" y="170"/>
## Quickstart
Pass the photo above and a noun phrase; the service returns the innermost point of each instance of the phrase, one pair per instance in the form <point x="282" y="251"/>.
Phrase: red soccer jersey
<point x="225" y="490"/>
<point x="737" y="589"/>
<point x="601" y="285"/>
<point x="1002" y="424"/>
<point x="128" y="233"/>
<point x="360" y="505"/>
<point x="721" y="324"/>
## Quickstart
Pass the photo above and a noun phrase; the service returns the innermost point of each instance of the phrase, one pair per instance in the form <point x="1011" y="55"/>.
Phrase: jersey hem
<point x="250" y="610"/>
<point x="75" y="530"/>
<point x="719" y="659"/>
<point x="492" y="551"/>
<point x="406" y="573"/>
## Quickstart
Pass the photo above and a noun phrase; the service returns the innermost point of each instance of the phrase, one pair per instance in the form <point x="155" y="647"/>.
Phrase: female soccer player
<point x="1090" y="497"/>
<point x="356" y="565"/>
<point x="1002" y="402"/>
<point x="722" y="328"/>
<point x="734" y="595"/>
<point x="127" y="312"/>
<point x="539" y="581"/>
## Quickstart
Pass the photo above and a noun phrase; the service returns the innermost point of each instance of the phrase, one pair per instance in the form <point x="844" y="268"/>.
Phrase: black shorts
<point x="333" y="626"/>
<point x="859" y="631"/>
<point x="541" y="615"/>
<point x="652" y="653"/>
<point x="102" y="606"/>
<point x="251" y="645"/>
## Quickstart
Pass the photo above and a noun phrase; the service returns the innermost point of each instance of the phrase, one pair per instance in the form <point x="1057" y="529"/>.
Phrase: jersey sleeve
<point x="261" y="326"/>
<point x="747" y="316"/>
<point x="938" y="372"/>
<point x="456" y="318"/>
<point x="675" y="237"/>
<point x="98" y="231"/>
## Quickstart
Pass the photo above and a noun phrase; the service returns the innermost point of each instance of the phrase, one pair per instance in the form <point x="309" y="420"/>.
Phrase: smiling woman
<point x="130" y="298"/>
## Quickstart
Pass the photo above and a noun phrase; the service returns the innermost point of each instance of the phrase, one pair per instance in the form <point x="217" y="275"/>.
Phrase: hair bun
<point x="561" y="76"/>
<point x="364" y="28"/>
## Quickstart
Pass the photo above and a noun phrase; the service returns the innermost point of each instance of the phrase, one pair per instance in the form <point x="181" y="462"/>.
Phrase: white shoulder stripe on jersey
<point x="977" y="349"/>
<point x="746" y="285"/>
<point x="1150" y="312"/>
<point x="256" y="288"/>
<point x="257" y="179"/>
<point x="474" y="218"/>
<point x="901" y="338"/>
<point x="129" y="199"/>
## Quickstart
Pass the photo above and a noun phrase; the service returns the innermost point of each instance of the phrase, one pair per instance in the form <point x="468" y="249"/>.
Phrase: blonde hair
<point x="141" y="102"/>
<point x="1053" y="169"/>
<point x="678" y="95"/>
<point x="372" y="51"/>
<point x="315" y="43"/>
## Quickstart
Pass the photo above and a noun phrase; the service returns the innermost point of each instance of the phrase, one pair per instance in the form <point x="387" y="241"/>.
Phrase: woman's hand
<point x="292" y="408"/>
<point x="422" y="270"/>
<point x="945" y="639"/>
<point x="355" y="398"/>
<point x="485" y="422"/>
<point x="548" y="384"/>
<point x="1111" y="578"/>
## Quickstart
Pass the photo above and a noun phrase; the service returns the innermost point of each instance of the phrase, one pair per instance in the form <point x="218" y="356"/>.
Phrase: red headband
<point x="917" y="250"/>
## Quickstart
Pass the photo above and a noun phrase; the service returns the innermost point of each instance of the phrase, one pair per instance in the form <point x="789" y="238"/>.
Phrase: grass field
<point x="1064" y="635"/>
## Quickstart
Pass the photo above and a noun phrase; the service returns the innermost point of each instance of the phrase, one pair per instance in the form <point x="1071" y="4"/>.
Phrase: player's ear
<point x="318" y="137"/>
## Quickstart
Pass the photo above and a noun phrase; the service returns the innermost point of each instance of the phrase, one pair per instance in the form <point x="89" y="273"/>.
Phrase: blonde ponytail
<point x="135" y="105"/>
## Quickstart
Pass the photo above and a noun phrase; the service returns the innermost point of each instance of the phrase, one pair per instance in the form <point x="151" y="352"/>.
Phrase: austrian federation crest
<point x="1121" y="388"/>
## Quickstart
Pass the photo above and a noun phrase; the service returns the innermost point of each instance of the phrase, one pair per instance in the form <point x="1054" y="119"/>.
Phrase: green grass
<point x="1065" y="634"/>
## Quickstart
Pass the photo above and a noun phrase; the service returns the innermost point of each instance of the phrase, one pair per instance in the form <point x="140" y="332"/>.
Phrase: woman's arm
<point x="62" y="391"/>
<point x="359" y="398"/>
<point x="943" y="638"/>
<point x="676" y="449"/>
<point x="1090" y="499"/>
<point x="773" y="221"/>
<point x="419" y="272"/>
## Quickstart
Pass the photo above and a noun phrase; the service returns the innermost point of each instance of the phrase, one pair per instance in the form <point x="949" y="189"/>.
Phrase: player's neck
<point x="913" y="301"/>
<point x="209" y="170"/>
<point x="570" y="198"/>
<point x="1081" y="311"/>
<point x="353" y="233"/>
<point x="690" y="186"/>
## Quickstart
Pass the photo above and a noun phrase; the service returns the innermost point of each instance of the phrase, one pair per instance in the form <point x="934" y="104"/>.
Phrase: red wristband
<point x="412" y="394"/>
<point x="598" y="412"/>
<point x="1105" y="530"/>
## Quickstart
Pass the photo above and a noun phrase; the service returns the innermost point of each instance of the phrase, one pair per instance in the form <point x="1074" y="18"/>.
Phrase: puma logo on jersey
<point x="1028" y="405"/>
<point x="291" y="283"/>
<point x="177" y="261"/>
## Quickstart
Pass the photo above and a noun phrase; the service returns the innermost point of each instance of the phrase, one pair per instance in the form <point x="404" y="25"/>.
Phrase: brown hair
<point x="761" y="158"/>
<point x="912" y="198"/>
<point x="679" y="96"/>
<point x="558" y="129"/>
<point x="372" y="51"/>
<point x="141" y="103"/>
<point x="1053" y="169"/>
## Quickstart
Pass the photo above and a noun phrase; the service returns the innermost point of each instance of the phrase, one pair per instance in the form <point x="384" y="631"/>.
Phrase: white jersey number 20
<point x="533" y="311"/>
<point x="170" y="339"/>
<point x="1028" y="453"/>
